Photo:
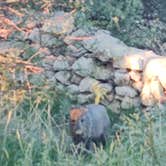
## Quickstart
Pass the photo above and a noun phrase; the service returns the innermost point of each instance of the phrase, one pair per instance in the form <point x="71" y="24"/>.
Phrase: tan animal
<point x="89" y="125"/>
<point x="154" y="78"/>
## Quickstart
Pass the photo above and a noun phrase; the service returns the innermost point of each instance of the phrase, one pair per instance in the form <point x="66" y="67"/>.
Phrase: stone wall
<point x="92" y="64"/>
<point x="128" y="77"/>
<point x="96" y="62"/>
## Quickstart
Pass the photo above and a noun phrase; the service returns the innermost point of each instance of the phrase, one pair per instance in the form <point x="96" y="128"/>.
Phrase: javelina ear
<point x="83" y="110"/>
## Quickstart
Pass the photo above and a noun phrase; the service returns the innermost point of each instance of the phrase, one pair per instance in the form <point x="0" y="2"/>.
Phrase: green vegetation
<point x="35" y="132"/>
<point x="136" y="22"/>
<point x="34" y="115"/>
<point x="127" y="20"/>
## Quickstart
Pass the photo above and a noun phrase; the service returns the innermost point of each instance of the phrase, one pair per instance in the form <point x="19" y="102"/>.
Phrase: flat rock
<point x="84" y="66"/>
<point x="76" y="79"/>
<point x="121" y="78"/>
<point x="73" y="88"/>
<point x="86" y="84"/>
<point x="107" y="87"/>
<point x="119" y="98"/>
<point x="61" y="63"/>
<point x="63" y="77"/>
<point x="49" y="74"/>
<point x="74" y="51"/>
<point x="85" y="98"/>
<point x="102" y="73"/>
<point x="125" y="91"/>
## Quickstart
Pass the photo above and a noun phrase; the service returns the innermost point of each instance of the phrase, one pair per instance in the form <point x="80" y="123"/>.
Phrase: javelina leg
<point x="77" y="139"/>
<point x="103" y="139"/>
<point x="97" y="141"/>
<point x="88" y="144"/>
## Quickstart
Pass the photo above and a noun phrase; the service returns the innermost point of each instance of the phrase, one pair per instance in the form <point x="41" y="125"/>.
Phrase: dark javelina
<point x="91" y="125"/>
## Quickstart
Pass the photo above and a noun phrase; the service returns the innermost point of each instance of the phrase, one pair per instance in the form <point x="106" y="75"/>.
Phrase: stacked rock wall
<point x="92" y="65"/>
<point x="129" y="77"/>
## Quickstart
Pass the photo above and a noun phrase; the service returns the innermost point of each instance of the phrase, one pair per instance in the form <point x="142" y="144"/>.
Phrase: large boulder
<point x="104" y="46"/>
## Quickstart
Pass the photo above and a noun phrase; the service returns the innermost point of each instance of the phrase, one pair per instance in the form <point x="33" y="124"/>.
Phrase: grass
<point x="35" y="132"/>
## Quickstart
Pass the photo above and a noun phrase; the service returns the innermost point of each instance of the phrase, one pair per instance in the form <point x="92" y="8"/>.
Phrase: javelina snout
<point x="83" y="126"/>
